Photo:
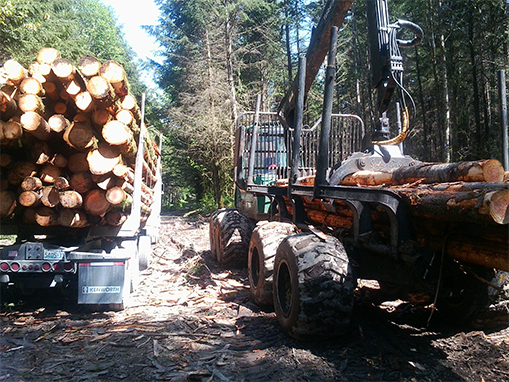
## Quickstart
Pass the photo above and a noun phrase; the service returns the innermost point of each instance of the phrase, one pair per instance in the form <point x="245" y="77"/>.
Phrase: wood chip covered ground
<point x="192" y="321"/>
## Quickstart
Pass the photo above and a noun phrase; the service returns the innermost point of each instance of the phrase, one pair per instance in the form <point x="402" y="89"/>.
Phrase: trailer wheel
<point x="230" y="232"/>
<point x="313" y="287"/>
<point x="260" y="261"/>
<point x="144" y="251"/>
<point x="463" y="296"/>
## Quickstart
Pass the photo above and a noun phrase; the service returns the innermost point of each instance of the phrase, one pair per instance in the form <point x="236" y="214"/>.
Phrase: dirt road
<point x="191" y="321"/>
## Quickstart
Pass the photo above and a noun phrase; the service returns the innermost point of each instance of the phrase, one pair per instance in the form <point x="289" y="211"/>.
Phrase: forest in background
<point x="216" y="56"/>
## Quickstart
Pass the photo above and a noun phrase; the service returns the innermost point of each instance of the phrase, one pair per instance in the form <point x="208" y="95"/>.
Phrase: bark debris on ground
<point x="192" y="321"/>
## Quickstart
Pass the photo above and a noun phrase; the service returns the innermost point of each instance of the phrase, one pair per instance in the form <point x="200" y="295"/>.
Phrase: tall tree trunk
<point x="425" y="127"/>
<point x="475" y="86"/>
<point x="210" y="73"/>
<point x="447" y="106"/>
<point x="287" y="44"/>
<point x="229" y="67"/>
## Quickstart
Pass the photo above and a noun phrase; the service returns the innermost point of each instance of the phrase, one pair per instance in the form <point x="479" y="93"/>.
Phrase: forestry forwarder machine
<point x="319" y="207"/>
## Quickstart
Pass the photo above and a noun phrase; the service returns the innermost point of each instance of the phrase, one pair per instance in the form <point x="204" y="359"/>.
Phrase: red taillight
<point x="46" y="267"/>
<point x="57" y="266"/>
<point x="14" y="267"/>
<point x="68" y="267"/>
<point x="4" y="267"/>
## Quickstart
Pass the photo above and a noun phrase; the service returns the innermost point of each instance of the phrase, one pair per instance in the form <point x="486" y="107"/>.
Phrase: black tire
<point x="462" y="296"/>
<point x="313" y="287"/>
<point x="260" y="261"/>
<point x="230" y="232"/>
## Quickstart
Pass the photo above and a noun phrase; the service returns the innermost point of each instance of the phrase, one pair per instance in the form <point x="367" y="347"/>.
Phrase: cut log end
<point x="499" y="206"/>
<point x="95" y="203"/>
<point x="89" y="66"/>
<point x="493" y="171"/>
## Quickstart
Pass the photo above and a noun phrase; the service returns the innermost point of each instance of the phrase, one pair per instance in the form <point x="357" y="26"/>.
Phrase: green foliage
<point x="74" y="27"/>
<point x="218" y="55"/>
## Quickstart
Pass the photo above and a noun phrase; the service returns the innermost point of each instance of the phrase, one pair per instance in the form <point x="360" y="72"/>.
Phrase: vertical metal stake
<point x="322" y="163"/>
<point x="254" y="141"/>
<point x="502" y="95"/>
<point x="299" y="115"/>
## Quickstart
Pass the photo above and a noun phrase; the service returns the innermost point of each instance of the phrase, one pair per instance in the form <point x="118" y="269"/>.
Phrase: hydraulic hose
<point x="401" y="136"/>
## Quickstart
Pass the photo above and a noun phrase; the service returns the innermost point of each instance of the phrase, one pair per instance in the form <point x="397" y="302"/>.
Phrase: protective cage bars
<point x="268" y="162"/>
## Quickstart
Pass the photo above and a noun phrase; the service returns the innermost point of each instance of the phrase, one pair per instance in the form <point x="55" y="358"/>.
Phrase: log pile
<point x="69" y="137"/>
<point x="460" y="208"/>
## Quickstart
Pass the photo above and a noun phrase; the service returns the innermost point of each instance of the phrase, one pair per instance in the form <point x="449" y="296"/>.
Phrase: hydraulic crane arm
<point x="334" y="13"/>
<point x="386" y="61"/>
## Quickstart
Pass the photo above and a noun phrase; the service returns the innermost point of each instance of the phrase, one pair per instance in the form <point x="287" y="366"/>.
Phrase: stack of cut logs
<point x="460" y="208"/>
<point x="68" y="138"/>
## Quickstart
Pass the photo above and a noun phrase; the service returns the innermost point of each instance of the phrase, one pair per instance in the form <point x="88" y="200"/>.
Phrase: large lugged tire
<point x="313" y="287"/>
<point x="230" y="232"/>
<point x="260" y="261"/>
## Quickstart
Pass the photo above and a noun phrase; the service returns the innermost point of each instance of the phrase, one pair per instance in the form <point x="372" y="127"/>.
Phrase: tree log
<point x="82" y="182"/>
<point x="118" y="134"/>
<point x="115" y="74"/>
<point x="31" y="183"/>
<point x="73" y="88"/>
<point x="79" y="135"/>
<point x="46" y="217"/>
<point x="61" y="183"/>
<point x="19" y="171"/>
<point x="73" y="218"/>
<point x="31" y="85"/>
<point x="58" y="123"/>
<point x="29" y="198"/>
<point x="8" y="106"/>
<point x="479" y="171"/>
<point x="63" y="69"/>
<point x="89" y="66"/>
<point x="51" y="90"/>
<point x="31" y="102"/>
<point x="115" y="218"/>
<point x="78" y="163"/>
<point x="95" y="203"/>
<point x="128" y="102"/>
<point x="101" y="90"/>
<point x="103" y="159"/>
<point x="71" y="199"/>
<point x="12" y="130"/>
<point x="42" y="72"/>
<point x="124" y="172"/>
<point x="14" y="71"/>
<point x="101" y="116"/>
<point x="455" y="202"/>
<point x="50" y="196"/>
<point x="60" y="108"/>
<point x="40" y="152"/>
<point x="49" y="173"/>
<point x="84" y="101"/>
<point x="35" y="125"/>
<point x="115" y="195"/>
<point x="7" y="203"/>
<point x="125" y="116"/>
<point x="59" y="161"/>
<point x="47" y="55"/>
<point x="106" y="181"/>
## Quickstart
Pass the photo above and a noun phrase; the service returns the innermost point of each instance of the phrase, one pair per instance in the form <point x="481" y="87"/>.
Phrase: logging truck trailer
<point x="99" y="263"/>
<point x="322" y="205"/>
